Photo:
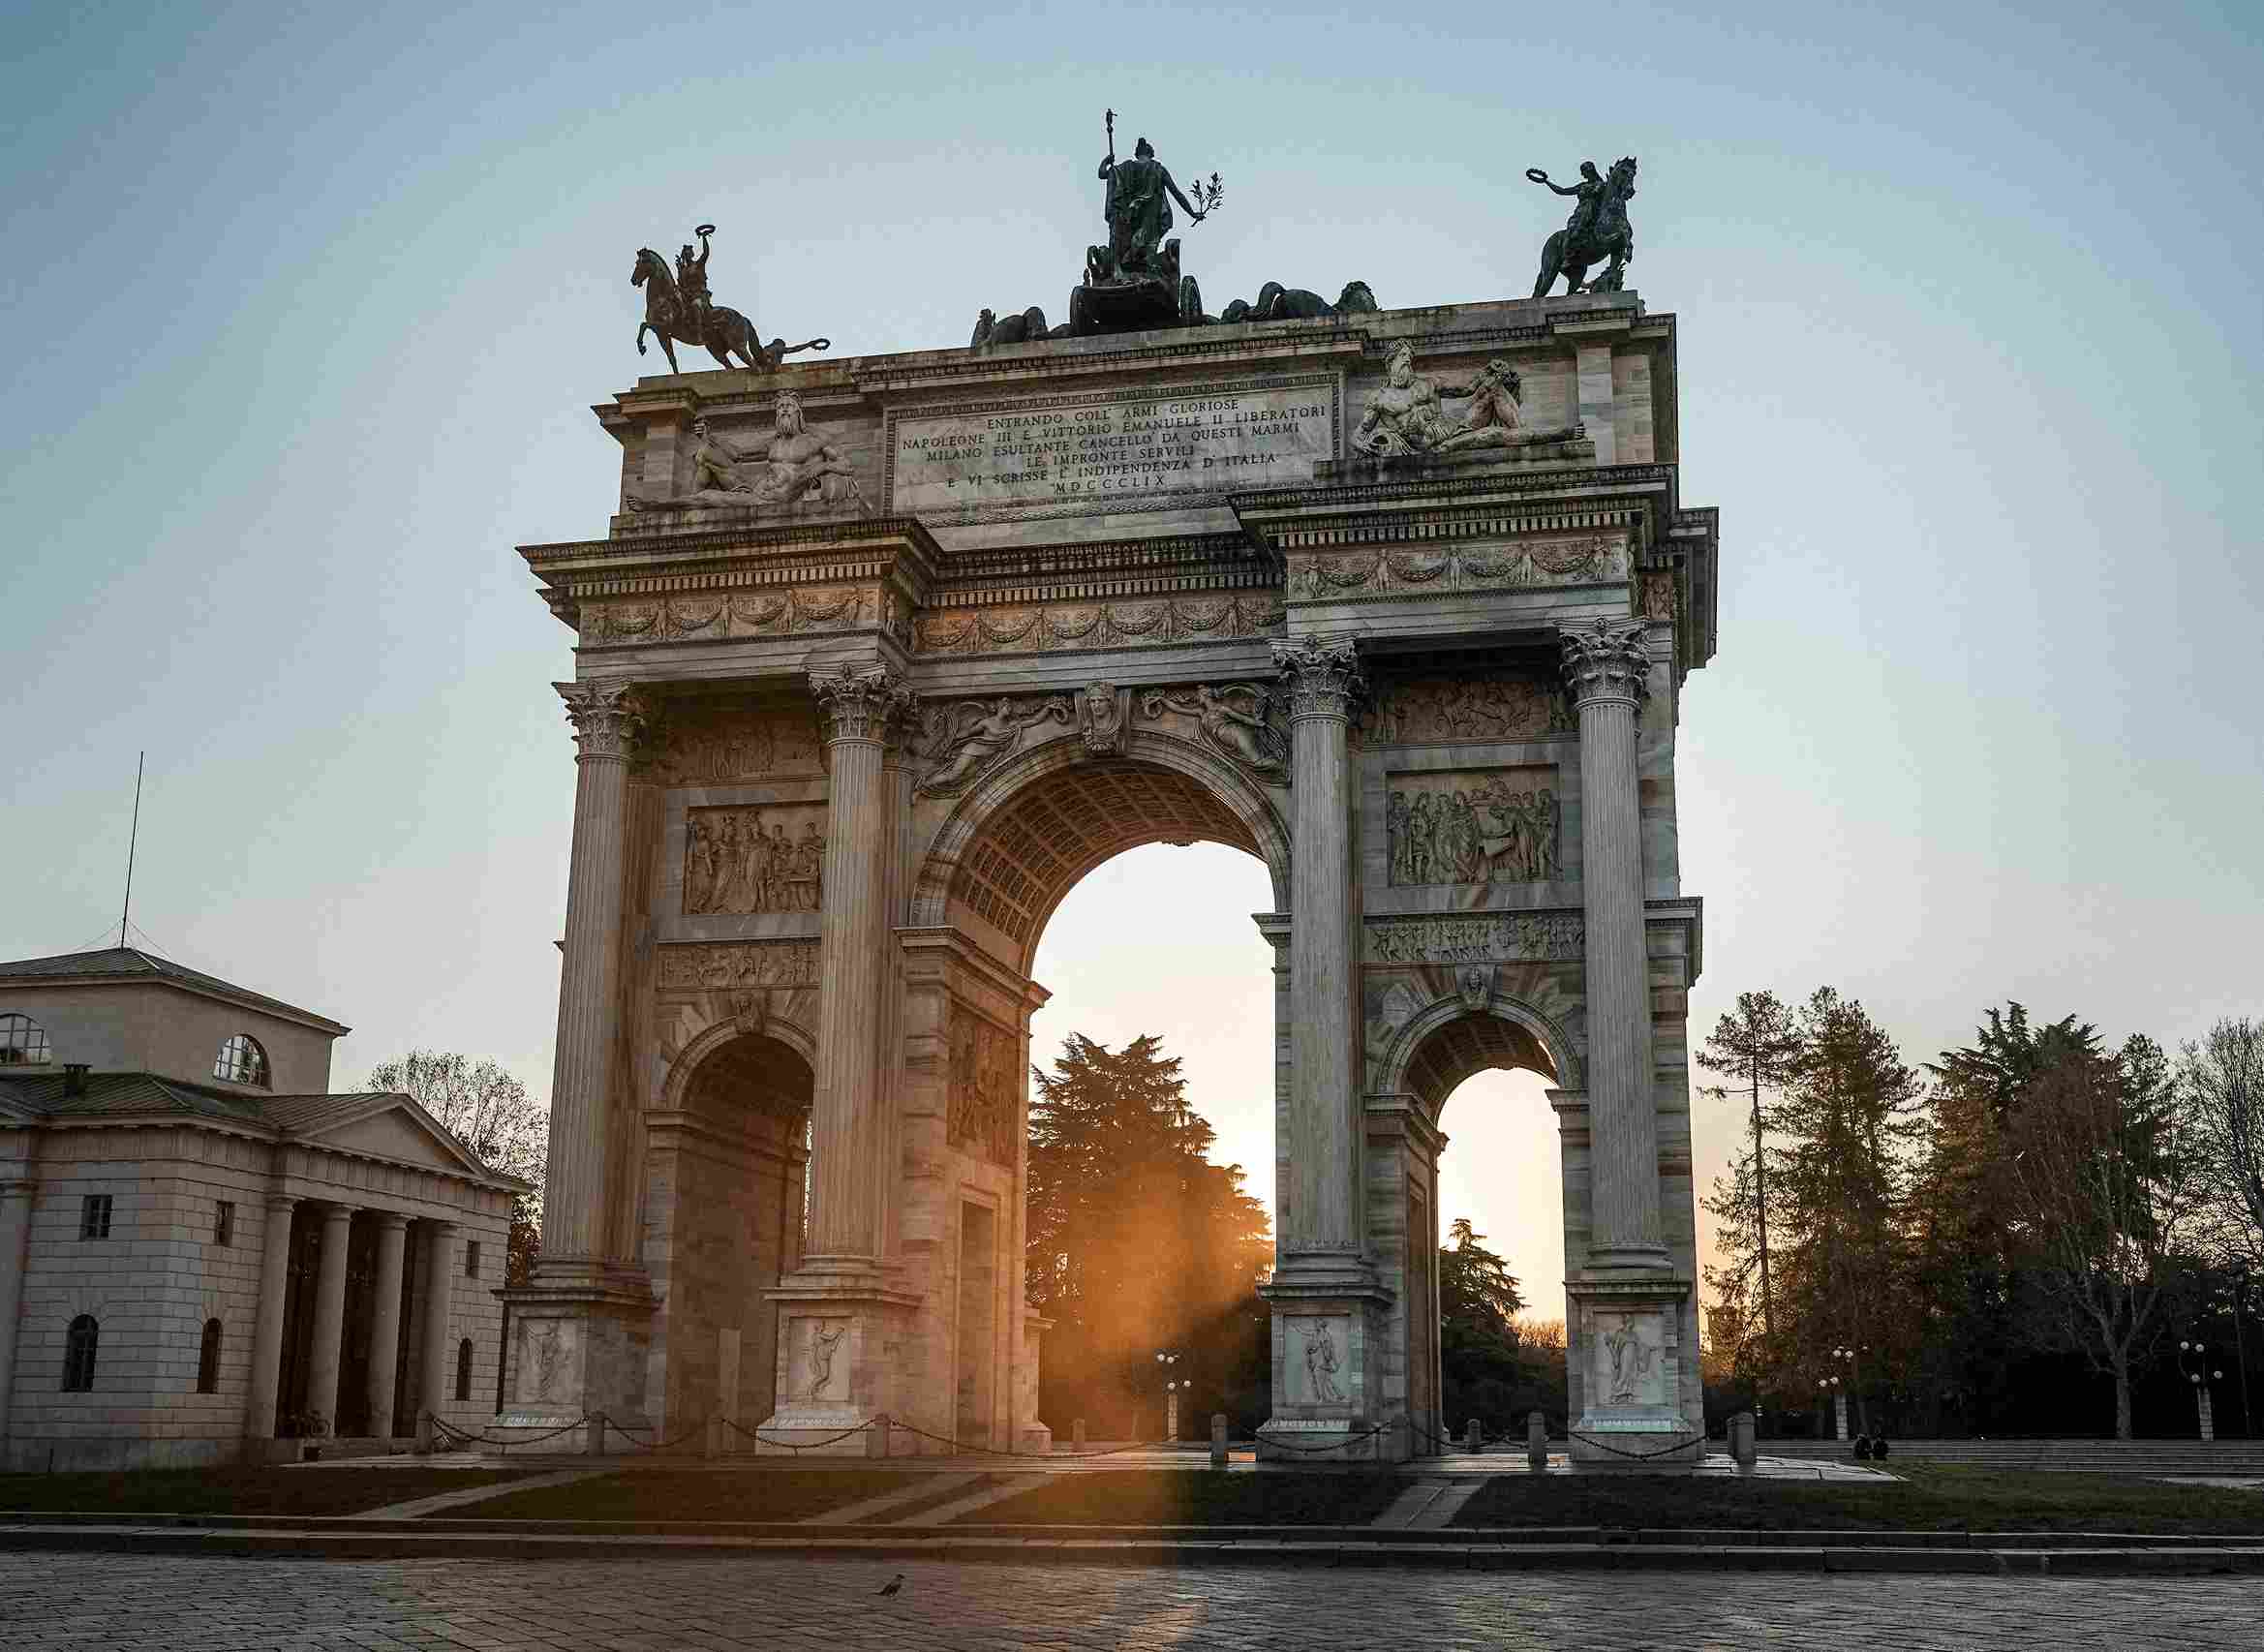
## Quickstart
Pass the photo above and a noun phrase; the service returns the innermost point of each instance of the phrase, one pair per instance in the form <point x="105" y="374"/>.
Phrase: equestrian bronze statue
<point x="678" y="311"/>
<point x="1598" y="230"/>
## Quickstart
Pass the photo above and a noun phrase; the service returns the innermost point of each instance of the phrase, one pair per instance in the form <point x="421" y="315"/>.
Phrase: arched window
<point x="464" y="1369"/>
<point x="79" y="1355"/>
<point x="242" y="1061"/>
<point x="208" y="1359"/>
<point x="23" y="1042"/>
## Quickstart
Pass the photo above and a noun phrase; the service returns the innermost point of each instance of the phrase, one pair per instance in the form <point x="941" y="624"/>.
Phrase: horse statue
<point x="1598" y="230"/>
<point x="673" y="321"/>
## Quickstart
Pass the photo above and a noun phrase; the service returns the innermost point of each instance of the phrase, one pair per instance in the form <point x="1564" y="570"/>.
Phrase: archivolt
<point x="1448" y="1041"/>
<point x="789" y="1089"/>
<point x="1020" y="841"/>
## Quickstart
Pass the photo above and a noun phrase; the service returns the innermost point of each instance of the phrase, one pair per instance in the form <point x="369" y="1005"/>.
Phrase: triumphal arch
<point x="882" y="654"/>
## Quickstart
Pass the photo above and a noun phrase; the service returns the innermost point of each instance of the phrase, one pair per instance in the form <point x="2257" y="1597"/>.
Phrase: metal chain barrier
<point x="630" y="1434"/>
<point x="797" y="1447"/>
<point x="994" y="1452"/>
<point x="1319" y="1451"/>
<point x="1697" y="1440"/>
<point x="462" y="1436"/>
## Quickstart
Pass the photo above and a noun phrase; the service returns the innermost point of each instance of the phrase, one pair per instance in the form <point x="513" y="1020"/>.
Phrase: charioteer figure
<point x="1134" y="281"/>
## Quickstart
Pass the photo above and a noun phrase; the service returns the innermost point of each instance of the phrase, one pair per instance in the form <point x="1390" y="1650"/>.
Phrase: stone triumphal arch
<point x="881" y="655"/>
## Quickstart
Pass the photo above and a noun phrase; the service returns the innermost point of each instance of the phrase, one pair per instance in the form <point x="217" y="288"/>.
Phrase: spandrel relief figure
<point x="965" y="741"/>
<point x="824" y="1343"/>
<point x="1234" y="721"/>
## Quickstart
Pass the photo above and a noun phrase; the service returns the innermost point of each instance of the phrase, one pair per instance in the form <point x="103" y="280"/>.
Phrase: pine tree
<point x="1759" y="1045"/>
<point x="1136" y="1241"/>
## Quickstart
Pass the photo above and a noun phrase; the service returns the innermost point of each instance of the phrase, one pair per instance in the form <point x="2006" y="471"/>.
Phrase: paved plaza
<point x="190" y="1604"/>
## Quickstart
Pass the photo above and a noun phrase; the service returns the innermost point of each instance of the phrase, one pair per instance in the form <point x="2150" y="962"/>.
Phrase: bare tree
<point x="491" y="1114"/>
<point x="2222" y="1083"/>
<point x="2107" y="1200"/>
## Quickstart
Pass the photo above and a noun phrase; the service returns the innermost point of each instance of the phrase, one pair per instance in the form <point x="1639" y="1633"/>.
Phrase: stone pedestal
<point x="839" y="1371"/>
<point x="1625" y="1341"/>
<point x="1327" y="1405"/>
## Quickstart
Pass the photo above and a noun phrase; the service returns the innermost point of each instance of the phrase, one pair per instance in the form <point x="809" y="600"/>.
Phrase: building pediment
<point x="392" y="1127"/>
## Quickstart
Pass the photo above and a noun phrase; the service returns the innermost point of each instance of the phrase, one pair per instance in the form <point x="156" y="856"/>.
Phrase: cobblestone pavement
<point x="188" y="1604"/>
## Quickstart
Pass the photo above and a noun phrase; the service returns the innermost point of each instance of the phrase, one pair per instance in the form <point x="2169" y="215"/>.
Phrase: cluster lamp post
<point x="2193" y="1362"/>
<point x="1174" y="1386"/>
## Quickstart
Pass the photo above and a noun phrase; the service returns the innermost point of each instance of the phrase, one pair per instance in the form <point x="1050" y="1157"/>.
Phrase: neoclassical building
<point x="879" y="656"/>
<point x="201" y="1249"/>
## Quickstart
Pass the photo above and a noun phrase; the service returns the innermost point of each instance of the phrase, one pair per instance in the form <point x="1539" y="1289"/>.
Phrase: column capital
<point x="283" y="1201"/>
<point x="607" y="716"/>
<point x="861" y="704"/>
<point x="1322" y="675"/>
<point x="334" y="1211"/>
<point x="1606" y="660"/>
<point x="442" y="1229"/>
<point x="392" y="1221"/>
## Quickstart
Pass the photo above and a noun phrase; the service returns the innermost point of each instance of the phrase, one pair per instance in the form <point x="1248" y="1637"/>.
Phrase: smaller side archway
<point x="1439" y="1046"/>
<point x="726" y="1163"/>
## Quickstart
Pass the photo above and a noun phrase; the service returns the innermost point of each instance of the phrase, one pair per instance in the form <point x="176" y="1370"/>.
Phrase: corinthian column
<point x="859" y="710"/>
<point x="1320" y="1215"/>
<point x="606" y="718"/>
<point x="1607" y="670"/>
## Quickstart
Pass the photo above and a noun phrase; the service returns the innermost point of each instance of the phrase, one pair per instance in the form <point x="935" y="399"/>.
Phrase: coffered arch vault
<point x="1021" y="840"/>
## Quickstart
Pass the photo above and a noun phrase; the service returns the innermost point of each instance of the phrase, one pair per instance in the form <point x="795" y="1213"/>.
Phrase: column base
<point x="1629" y="1373"/>
<point x="842" y="1334"/>
<point x="580" y="1336"/>
<point x="1331" y="1331"/>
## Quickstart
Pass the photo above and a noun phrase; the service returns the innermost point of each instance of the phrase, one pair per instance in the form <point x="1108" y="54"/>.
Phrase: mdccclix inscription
<point x="1100" y="447"/>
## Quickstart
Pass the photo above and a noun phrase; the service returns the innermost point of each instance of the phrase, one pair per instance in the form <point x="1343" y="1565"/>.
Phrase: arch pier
<point x="843" y="752"/>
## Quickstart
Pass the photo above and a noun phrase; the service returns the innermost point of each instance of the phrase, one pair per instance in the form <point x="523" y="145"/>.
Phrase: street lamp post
<point x="1176" y="1383"/>
<point x="2193" y="1362"/>
<point x="1829" y="1388"/>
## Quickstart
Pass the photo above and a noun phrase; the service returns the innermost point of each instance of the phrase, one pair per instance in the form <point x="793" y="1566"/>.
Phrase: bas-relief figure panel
<point x="546" y="1349"/>
<point x="986" y="1088"/>
<point x="739" y="963"/>
<point x="1319" y="1353"/>
<point x="755" y="859"/>
<point x="819" y="1370"/>
<point x="1475" y="826"/>
<point x="1448" y="708"/>
<point x="1629" y="1358"/>
<point x="724" y="746"/>
<point x="1478" y="937"/>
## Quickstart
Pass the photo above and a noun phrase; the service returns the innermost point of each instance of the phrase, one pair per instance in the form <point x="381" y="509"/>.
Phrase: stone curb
<point x="358" y="1542"/>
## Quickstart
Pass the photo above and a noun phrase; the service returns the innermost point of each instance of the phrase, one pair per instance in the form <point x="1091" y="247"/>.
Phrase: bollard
<point x="1218" y="1439"/>
<point x="424" y="1434"/>
<point x="1077" y="1433"/>
<point x="876" y="1436"/>
<point x="1741" y="1445"/>
<point x="1536" y="1442"/>
<point x="715" y="1437"/>
<point x="1473" y="1437"/>
<point x="595" y="1444"/>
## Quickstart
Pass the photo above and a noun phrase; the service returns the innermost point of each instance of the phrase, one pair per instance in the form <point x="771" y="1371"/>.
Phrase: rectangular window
<point x="224" y="1223"/>
<point x="472" y="1259"/>
<point x="94" y="1216"/>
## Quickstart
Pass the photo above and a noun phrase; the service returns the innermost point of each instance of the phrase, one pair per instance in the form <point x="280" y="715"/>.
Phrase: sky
<point x="305" y="308"/>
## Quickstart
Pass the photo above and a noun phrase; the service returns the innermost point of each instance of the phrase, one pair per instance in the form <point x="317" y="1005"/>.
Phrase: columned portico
<point x="267" y="1334"/>
<point x="329" y="1332"/>
<point x="15" y="1202"/>
<point x="385" y="1320"/>
<point x="433" y="1344"/>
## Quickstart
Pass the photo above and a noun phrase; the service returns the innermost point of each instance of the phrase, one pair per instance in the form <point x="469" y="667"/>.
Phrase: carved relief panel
<point x="819" y="1369"/>
<point x="986" y="1088"/>
<point x="754" y="860"/>
<point x="1630" y="1366"/>
<point x="546" y="1349"/>
<point x="709" y="746"/>
<point x="1474" y="826"/>
<point x="1444" y="709"/>
<point x="741" y="964"/>
<point x="1319" y="1351"/>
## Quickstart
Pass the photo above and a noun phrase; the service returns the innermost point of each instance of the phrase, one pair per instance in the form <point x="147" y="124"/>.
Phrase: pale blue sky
<point x="305" y="308"/>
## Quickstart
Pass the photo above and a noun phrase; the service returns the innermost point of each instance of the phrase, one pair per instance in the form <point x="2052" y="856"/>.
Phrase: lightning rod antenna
<point x="133" y="840"/>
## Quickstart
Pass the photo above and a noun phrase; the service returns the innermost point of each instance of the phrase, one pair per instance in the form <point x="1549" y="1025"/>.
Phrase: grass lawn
<point x="1199" y="1497"/>
<point x="1928" y="1497"/>
<point x="663" y="1494"/>
<point x="341" y="1490"/>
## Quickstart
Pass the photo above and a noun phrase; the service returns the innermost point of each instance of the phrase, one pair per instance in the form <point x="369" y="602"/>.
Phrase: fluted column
<point x="1321" y="1212"/>
<point x="859" y="711"/>
<point x="267" y="1328"/>
<point x="15" y="1200"/>
<point x="385" y="1321"/>
<point x="1607" y="669"/>
<point x="607" y="719"/>
<point x="330" y="1317"/>
<point x="439" y="1284"/>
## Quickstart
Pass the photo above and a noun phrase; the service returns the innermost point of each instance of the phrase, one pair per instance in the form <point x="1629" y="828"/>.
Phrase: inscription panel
<point x="1060" y="455"/>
